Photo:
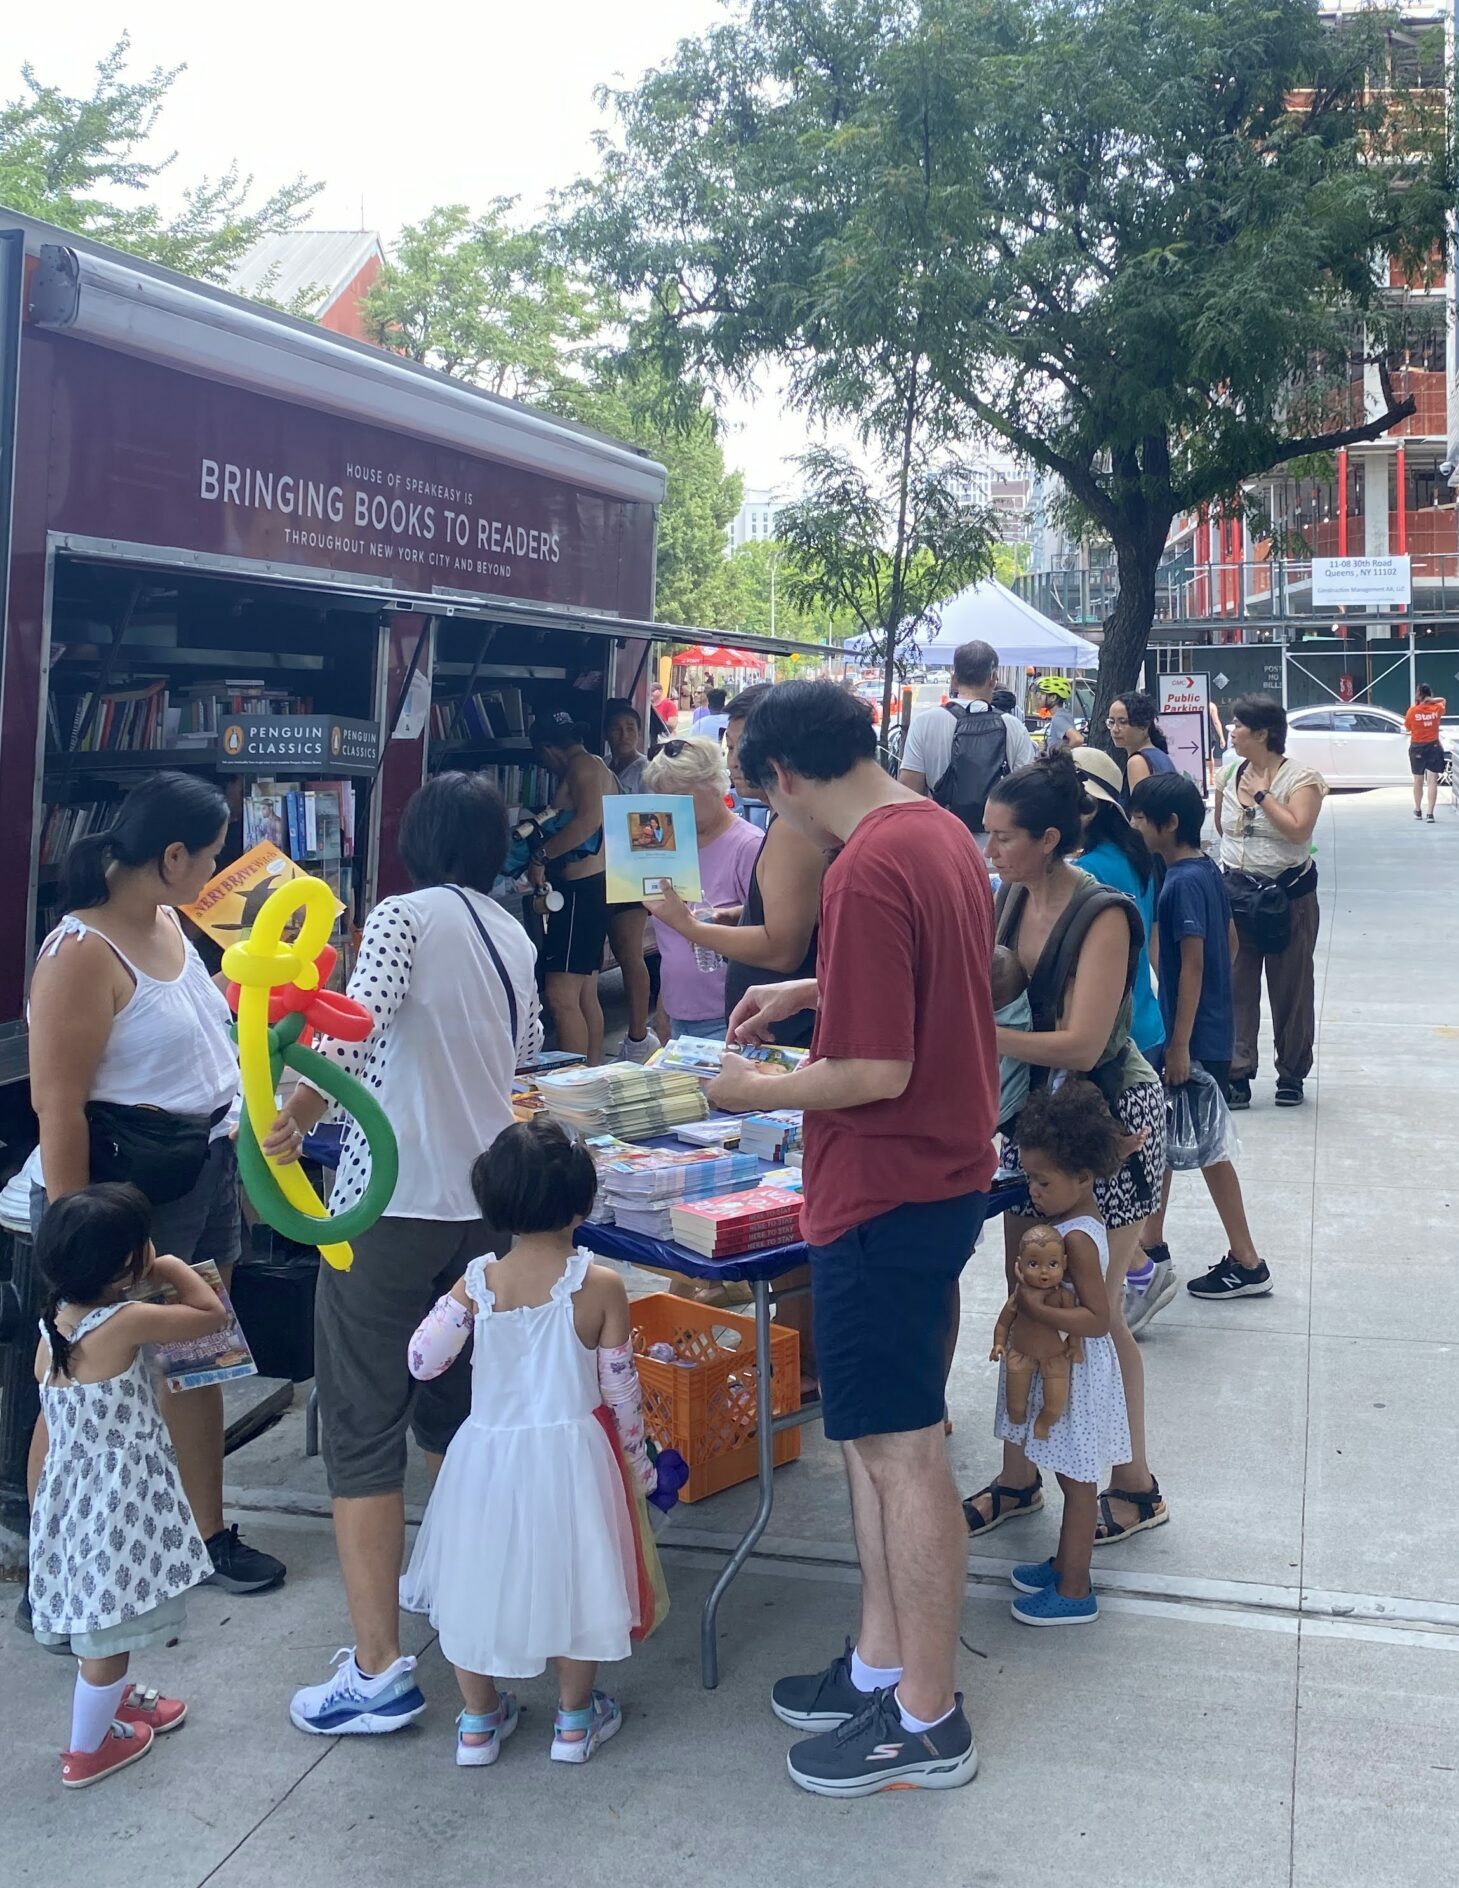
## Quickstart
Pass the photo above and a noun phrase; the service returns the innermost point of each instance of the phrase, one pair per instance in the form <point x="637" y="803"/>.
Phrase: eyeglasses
<point x="1111" y="722"/>
<point x="671" y="750"/>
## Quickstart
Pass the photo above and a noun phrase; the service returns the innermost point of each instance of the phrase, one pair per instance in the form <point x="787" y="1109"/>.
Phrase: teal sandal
<point x="495" y="1726"/>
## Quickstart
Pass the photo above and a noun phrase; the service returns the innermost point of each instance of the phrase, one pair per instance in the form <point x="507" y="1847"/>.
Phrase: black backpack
<point x="978" y="762"/>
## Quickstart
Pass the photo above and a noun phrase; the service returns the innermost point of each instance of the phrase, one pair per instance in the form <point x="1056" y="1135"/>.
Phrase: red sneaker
<point x="123" y="1744"/>
<point x="143" y="1705"/>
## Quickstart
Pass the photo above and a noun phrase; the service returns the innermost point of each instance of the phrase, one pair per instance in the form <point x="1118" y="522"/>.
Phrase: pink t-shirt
<point x="692" y="995"/>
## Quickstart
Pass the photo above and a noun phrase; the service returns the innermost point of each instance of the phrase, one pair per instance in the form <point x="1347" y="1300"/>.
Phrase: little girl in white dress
<point x="1067" y="1138"/>
<point x="528" y="1549"/>
<point x="113" y="1547"/>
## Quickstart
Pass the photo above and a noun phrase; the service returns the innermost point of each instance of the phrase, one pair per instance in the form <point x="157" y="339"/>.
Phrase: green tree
<point x="675" y="424"/>
<point x="884" y="551"/>
<point x="759" y="599"/>
<point x="488" y="302"/>
<point x="504" y="307"/>
<point x="78" y="162"/>
<point x="1140" y="241"/>
<point x="758" y="210"/>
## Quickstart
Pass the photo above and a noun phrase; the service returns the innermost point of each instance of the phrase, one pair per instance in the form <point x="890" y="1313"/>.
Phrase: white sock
<point x="872" y="1677"/>
<point x="909" y="1723"/>
<point x="93" y="1707"/>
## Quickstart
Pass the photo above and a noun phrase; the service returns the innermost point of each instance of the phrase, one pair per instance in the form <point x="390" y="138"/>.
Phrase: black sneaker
<point x="1240" y="1092"/>
<point x="1289" y="1092"/>
<point x="820" y="1700"/>
<point x="239" y="1568"/>
<point x="1230" y="1280"/>
<point x="873" y="1752"/>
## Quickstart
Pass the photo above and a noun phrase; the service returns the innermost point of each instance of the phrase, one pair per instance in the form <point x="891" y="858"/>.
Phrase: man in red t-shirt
<point x="901" y="1100"/>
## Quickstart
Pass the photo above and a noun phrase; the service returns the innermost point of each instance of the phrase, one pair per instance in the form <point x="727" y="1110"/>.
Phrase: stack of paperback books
<point x="626" y="1100"/>
<point x="720" y="1130"/>
<point x="771" y="1136"/>
<point x="736" y="1223"/>
<point x="638" y="1187"/>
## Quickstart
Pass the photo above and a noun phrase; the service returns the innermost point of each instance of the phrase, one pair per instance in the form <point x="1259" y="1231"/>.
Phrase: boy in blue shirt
<point x="1197" y="944"/>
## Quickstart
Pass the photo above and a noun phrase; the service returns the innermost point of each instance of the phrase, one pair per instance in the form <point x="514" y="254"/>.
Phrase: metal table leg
<point x="311" y="1424"/>
<point x="765" y="1445"/>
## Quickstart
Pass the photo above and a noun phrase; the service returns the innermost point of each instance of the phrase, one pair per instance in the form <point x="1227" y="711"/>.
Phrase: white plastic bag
<point x="1199" y="1131"/>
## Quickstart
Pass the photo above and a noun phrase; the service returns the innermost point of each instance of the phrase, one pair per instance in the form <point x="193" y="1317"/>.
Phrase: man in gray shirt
<point x="929" y="739"/>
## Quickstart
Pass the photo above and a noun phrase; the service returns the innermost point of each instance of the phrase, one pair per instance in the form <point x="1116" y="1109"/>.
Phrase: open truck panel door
<point x="12" y="288"/>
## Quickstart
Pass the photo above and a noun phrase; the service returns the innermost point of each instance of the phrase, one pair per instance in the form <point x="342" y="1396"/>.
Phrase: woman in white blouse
<point x="450" y="979"/>
<point x="1266" y="813"/>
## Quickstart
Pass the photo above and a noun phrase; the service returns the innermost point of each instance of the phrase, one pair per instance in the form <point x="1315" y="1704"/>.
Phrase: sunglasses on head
<point x="671" y="750"/>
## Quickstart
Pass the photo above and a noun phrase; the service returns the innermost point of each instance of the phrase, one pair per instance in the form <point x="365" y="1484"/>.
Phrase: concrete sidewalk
<point x="1267" y="1699"/>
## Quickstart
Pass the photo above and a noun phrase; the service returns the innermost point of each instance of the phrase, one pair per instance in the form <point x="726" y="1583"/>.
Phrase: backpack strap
<point x="1056" y="966"/>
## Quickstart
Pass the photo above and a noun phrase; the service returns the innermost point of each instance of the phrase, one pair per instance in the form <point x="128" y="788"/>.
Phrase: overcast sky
<point x="393" y="108"/>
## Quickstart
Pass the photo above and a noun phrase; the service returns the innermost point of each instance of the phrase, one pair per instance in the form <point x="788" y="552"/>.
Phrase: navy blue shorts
<point x="884" y="1310"/>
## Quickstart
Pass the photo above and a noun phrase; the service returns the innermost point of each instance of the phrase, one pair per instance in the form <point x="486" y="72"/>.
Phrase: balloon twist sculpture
<point x="278" y="998"/>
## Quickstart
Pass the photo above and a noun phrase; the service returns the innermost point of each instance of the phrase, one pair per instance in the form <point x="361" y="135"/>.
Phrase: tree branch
<point x="1080" y="479"/>
<point x="1348" y="435"/>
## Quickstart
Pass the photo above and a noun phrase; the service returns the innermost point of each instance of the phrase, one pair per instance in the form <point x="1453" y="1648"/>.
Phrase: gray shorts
<point x="363" y="1322"/>
<point x="204" y="1224"/>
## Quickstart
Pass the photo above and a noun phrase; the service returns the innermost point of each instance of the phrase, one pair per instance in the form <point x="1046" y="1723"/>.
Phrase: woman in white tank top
<point x="123" y="1010"/>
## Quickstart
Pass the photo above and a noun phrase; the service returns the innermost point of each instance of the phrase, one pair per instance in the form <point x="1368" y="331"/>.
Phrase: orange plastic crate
<point x="707" y="1411"/>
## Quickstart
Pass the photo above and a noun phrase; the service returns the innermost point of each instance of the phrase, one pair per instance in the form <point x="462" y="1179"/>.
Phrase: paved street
<point x="1266" y="1702"/>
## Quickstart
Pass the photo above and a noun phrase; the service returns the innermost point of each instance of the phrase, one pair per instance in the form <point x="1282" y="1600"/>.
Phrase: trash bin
<point x="20" y="1308"/>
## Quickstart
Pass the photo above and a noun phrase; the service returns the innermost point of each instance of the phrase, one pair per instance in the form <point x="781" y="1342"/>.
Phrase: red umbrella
<point x="706" y="656"/>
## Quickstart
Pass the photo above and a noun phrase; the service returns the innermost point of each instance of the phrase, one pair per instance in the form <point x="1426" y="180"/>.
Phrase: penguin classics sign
<point x="324" y="745"/>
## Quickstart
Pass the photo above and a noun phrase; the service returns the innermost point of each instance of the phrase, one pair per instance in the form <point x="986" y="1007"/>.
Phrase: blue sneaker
<point x="1034" y="1576"/>
<point x="1048" y="1607"/>
<point x="351" y="1705"/>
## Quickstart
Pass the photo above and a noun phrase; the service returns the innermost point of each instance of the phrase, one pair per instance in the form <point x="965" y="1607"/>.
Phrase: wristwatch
<point x="1258" y="796"/>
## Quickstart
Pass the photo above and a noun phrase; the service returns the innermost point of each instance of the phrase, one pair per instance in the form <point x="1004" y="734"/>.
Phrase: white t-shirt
<point x="929" y="741"/>
<point x="441" y="1057"/>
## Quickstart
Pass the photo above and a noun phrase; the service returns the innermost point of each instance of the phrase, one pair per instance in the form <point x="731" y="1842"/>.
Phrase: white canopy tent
<point x="989" y="612"/>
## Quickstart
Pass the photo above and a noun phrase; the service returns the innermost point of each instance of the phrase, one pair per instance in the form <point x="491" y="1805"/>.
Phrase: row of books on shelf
<point x="531" y="787"/>
<point x="494" y="714"/>
<point x="66" y="824"/>
<point x="150" y="714"/>
<point x="306" y="822"/>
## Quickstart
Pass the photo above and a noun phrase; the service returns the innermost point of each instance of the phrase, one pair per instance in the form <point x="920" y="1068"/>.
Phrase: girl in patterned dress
<point x="1067" y="1139"/>
<point x="113" y="1546"/>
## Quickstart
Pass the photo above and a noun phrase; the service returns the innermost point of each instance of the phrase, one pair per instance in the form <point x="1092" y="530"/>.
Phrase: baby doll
<point x="1029" y="1349"/>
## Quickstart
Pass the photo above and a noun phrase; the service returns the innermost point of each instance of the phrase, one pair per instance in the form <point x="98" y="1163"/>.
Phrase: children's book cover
<point x="650" y="839"/>
<point x="228" y="904"/>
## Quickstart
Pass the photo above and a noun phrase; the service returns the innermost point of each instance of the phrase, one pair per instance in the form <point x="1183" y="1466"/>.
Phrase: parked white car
<point x="1350" y="746"/>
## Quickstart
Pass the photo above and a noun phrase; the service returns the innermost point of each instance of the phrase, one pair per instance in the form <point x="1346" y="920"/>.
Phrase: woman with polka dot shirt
<point x="450" y="979"/>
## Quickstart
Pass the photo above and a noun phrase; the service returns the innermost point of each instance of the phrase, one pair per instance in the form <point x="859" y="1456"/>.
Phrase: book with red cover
<point x="738" y="1222"/>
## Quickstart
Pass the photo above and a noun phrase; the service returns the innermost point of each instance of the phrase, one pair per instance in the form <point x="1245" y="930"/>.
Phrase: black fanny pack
<point x="160" y="1153"/>
<point x="1261" y="908"/>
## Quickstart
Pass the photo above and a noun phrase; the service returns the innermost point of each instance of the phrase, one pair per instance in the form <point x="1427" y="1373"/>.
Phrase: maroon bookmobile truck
<point x="208" y="507"/>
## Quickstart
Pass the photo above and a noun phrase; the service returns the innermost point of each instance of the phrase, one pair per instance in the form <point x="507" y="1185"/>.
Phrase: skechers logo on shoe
<point x="885" y="1753"/>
